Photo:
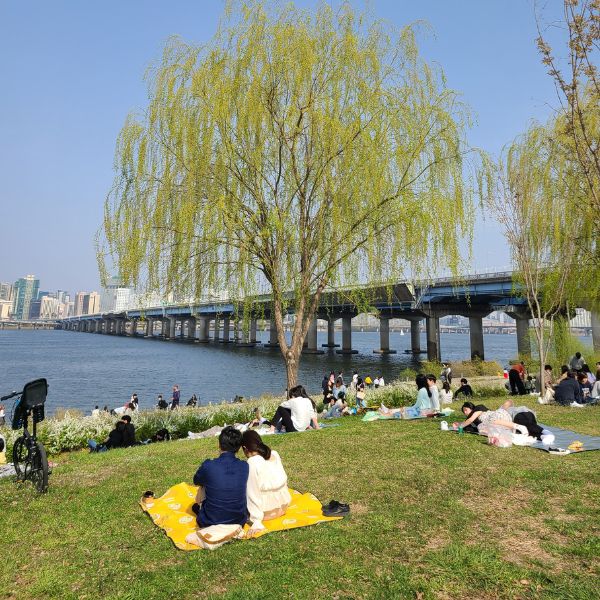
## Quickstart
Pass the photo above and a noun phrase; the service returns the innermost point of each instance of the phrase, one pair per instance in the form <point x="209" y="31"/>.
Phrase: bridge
<point x="34" y="324"/>
<point x="474" y="297"/>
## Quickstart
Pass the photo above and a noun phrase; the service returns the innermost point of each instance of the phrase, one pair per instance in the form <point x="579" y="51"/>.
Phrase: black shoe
<point x="195" y="508"/>
<point x="335" y="509"/>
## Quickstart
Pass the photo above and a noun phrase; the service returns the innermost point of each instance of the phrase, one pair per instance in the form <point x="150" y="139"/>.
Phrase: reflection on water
<point x="86" y="369"/>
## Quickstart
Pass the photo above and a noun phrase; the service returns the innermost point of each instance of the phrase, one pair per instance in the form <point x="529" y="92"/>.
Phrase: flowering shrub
<point x="72" y="431"/>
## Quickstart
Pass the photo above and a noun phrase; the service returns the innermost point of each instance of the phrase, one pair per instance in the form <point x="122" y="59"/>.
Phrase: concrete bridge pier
<point x="191" y="329"/>
<point x="273" y="342"/>
<point x="149" y="330"/>
<point x="433" y="337"/>
<point x="331" y="334"/>
<point x="203" y="323"/>
<point x="521" y="316"/>
<point x="523" y="340"/>
<point x="253" y="328"/>
<point x="347" y="336"/>
<point x="415" y="336"/>
<point x="476" y="337"/>
<point x="384" y="336"/>
<point x="311" y="339"/>
<point x="217" y="329"/>
<point x="226" y="330"/>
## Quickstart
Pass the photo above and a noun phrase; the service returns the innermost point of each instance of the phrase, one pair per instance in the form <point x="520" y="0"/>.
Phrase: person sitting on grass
<point x="585" y="386"/>
<point x="221" y="498"/>
<point x="128" y="432"/>
<point x="464" y="389"/>
<point x="296" y="414"/>
<point x="267" y="494"/>
<point x="446" y="393"/>
<point x="339" y="391"/>
<point x="435" y="392"/>
<point x="115" y="439"/>
<point x="591" y="377"/>
<point x="472" y="413"/>
<point x="420" y="407"/>
<point x="337" y="409"/>
<point x="568" y="392"/>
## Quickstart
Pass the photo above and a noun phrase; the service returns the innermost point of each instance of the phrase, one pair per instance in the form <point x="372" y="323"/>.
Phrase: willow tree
<point x="534" y="202"/>
<point x="296" y="152"/>
<point x="574" y="69"/>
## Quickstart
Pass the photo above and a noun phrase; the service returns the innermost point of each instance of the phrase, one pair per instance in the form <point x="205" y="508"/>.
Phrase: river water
<point x="86" y="369"/>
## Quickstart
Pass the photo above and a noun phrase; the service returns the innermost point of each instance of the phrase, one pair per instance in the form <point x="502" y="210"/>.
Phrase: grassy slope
<point x="434" y="515"/>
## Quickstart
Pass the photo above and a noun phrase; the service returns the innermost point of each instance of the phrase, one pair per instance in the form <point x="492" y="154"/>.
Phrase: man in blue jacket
<point x="222" y="497"/>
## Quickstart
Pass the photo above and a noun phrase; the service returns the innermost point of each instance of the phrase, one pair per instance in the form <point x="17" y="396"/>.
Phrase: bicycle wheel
<point x="39" y="468"/>
<point x="20" y="456"/>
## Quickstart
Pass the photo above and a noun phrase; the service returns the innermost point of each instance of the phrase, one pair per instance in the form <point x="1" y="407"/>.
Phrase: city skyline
<point x="68" y="139"/>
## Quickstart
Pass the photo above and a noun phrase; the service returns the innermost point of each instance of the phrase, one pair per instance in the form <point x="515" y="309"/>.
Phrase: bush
<point x="72" y="432"/>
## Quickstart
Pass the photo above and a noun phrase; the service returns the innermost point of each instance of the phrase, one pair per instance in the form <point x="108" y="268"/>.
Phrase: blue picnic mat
<point x="565" y="437"/>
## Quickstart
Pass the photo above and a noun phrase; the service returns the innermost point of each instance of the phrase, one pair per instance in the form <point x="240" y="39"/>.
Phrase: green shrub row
<point x="71" y="430"/>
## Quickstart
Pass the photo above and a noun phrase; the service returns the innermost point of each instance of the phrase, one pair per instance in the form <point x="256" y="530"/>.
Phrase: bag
<point x="214" y="536"/>
<point x="500" y="437"/>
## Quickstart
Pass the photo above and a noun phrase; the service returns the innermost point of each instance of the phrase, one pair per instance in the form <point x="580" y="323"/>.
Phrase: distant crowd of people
<point x="576" y="386"/>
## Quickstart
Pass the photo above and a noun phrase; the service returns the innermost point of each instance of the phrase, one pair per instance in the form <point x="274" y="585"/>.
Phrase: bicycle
<point x="29" y="456"/>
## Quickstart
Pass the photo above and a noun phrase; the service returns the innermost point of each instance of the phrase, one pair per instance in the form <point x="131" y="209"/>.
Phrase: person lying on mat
<point x="296" y="414"/>
<point x="221" y="499"/>
<point x="267" y="493"/>
<point x="522" y="415"/>
<point x="421" y="406"/>
<point x="485" y="418"/>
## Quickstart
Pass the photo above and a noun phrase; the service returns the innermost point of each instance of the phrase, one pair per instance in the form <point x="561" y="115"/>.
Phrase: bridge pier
<point x="476" y="337"/>
<point x="311" y="339"/>
<point x="433" y="338"/>
<point x="384" y="336"/>
<point x="204" y="323"/>
<point x="273" y="341"/>
<point x="226" y="330"/>
<point x="415" y="336"/>
<point x="347" y="336"/>
<point x="149" y="331"/>
<point x="253" y="327"/>
<point x="217" y="329"/>
<point x="191" y="329"/>
<point x="331" y="334"/>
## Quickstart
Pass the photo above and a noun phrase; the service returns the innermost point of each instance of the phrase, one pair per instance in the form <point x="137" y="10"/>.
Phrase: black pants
<point x="528" y="420"/>
<point x="283" y="418"/>
<point x="516" y="383"/>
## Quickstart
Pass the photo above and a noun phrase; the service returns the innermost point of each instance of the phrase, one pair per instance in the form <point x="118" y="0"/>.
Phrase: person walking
<point x="175" y="398"/>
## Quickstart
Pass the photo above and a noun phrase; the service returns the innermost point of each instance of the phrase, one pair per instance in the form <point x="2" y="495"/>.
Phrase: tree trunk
<point x="291" y="367"/>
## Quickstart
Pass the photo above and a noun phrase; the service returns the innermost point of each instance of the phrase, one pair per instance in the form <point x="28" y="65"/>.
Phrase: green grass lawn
<point x="434" y="515"/>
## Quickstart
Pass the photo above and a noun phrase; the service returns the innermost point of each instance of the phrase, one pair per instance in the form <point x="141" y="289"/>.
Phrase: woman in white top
<point x="296" y="414"/>
<point x="446" y="393"/>
<point x="267" y="493"/>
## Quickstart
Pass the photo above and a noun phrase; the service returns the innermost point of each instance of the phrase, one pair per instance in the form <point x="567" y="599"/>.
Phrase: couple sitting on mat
<point x="233" y="491"/>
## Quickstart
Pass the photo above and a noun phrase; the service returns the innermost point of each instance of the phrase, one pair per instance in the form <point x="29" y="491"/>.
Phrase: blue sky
<point x="71" y="72"/>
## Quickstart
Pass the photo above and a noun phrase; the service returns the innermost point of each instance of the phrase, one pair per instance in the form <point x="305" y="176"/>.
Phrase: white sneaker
<point x="577" y="405"/>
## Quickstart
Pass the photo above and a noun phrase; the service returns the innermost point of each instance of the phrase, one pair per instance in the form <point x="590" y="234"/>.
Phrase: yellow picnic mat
<point x="173" y="513"/>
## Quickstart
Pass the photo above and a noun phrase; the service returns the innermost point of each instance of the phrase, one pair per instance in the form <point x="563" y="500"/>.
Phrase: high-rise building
<point x="91" y="303"/>
<point x="115" y="297"/>
<point x="50" y="308"/>
<point x="6" y="291"/>
<point x="25" y="290"/>
<point x="79" y="299"/>
<point x="5" y="309"/>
